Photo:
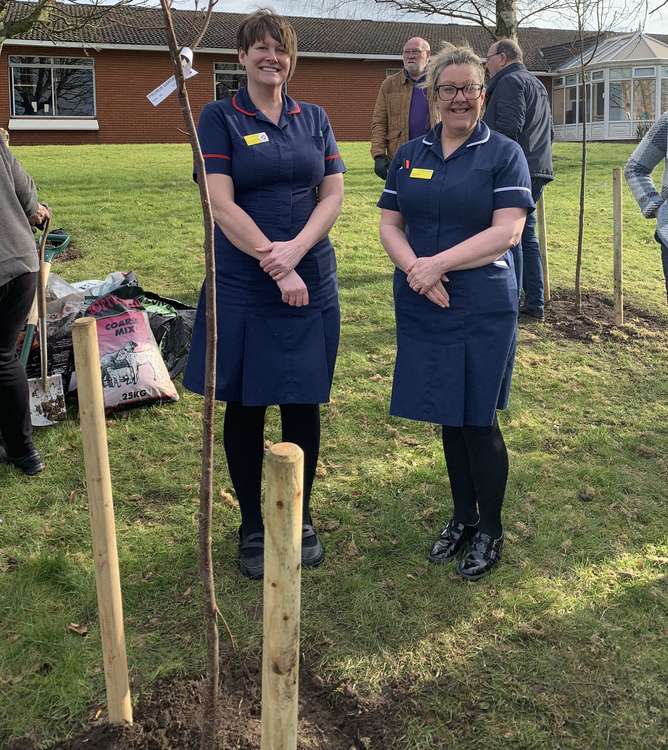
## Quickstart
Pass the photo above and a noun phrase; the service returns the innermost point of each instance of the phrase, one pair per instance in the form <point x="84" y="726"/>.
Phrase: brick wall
<point x="346" y="88"/>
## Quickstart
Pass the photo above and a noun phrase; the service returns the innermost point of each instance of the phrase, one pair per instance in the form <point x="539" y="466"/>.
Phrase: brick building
<point x="90" y="85"/>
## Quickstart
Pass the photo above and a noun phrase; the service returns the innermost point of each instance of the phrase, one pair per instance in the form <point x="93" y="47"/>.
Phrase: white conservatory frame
<point x="626" y="93"/>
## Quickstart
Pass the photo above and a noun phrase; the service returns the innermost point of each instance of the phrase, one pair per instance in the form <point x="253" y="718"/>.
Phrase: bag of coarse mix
<point x="133" y="371"/>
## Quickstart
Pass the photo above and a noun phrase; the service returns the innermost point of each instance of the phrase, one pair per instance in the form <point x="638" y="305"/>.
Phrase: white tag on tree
<point x="159" y="94"/>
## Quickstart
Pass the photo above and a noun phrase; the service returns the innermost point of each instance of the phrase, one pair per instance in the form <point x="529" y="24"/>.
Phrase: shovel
<point x="47" y="398"/>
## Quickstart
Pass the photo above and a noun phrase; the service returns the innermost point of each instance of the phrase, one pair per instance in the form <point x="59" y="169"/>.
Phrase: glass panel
<point x="581" y="101"/>
<point x="560" y="81"/>
<point x="32" y="93"/>
<point x="237" y="67"/>
<point x="571" y="99"/>
<point x="558" y="105"/>
<point x="664" y="70"/>
<point x="598" y="102"/>
<point x="644" y="100"/>
<point x="643" y="72"/>
<point x="620" y="101"/>
<point x="228" y="84"/>
<point x="597" y="75"/>
<point x="18" y="60"/>
<point x="75" y="95"/>
<point x="617" y="74"/>
<point x="571" y="80"/>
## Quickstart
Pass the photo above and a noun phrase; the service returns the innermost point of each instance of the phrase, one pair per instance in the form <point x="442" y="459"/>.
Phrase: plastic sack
<point x="133" y="371"/>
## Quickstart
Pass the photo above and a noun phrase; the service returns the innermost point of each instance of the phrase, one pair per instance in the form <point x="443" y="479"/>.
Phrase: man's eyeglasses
<point x="446" y="92"/>
<point x="493" y="54"/>
<point x="415" y="52"/>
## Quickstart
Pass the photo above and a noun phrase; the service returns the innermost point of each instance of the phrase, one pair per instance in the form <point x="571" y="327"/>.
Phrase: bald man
<point x="402" y="109"/>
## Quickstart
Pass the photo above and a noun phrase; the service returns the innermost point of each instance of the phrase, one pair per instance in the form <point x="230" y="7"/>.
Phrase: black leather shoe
<point x="251" y="555"/>
<point x="451" y="539"/>
<point x="482" y="554"/>
<point x="532" y="313"/>
<point x="312" y="552"/>
<point x="30" y="464"/>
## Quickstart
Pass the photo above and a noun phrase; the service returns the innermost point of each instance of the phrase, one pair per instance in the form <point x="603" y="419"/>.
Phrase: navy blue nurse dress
<point x="269" y="352"/>
<point x="454" y="364"/>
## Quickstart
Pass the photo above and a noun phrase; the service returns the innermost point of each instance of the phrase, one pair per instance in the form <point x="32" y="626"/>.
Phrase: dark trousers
<point x="16" y="297"/>
<point x="664" y="261"/>
<point x="532" y="265"/>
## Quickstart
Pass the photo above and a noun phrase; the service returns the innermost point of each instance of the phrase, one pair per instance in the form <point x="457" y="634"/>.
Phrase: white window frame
<point x="67" y="121"/>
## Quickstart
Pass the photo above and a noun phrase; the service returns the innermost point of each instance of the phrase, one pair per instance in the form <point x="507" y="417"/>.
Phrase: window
<point x="644" y="104"/>
<point x="558" y="106"/>
<point x="229" y="77"/>
<point x="52" y="86"/>
<point x="598" y="101"/>
<point x="570" y="117"/>
<point x="620" y="100"/>
<point x="644" y="72"/>
<point x="618" y="74"/>
<point x="597" y="75"/>
<point x="392" y="71"/>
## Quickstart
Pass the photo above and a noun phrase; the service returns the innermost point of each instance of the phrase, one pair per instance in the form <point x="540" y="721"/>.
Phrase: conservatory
<point x="627" y="88"/>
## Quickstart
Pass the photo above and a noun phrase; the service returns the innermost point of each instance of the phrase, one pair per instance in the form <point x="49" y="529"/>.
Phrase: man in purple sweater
<point x="402" y="111"/>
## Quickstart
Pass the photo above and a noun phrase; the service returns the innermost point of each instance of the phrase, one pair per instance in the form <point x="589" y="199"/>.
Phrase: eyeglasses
<point x="493" y="54"/>
<point x="415" y="52"/>
<point x="471" y="91"/>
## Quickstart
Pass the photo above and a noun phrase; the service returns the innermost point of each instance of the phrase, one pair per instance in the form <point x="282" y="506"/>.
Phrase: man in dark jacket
<point x="518" y="107"/>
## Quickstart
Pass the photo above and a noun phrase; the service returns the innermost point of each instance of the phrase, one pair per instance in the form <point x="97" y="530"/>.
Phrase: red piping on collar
<point x="296" y="111"/>
<point x="240" y="109"/>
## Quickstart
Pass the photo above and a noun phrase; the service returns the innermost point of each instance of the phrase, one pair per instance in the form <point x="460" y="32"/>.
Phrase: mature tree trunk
<point x="506" y="19"/>
<point x="209" y="714"/>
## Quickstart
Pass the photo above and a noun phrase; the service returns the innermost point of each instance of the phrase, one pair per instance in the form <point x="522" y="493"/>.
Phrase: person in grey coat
<point x="19" y="264"/>
<point x="518" y="106"/>
<point x="648" y="153"/>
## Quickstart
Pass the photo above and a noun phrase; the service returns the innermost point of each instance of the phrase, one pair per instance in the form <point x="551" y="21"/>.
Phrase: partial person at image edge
<point x="19" y="265"/>
<point x="518" y="106"/>
<point x="652" y="150"/>
<point x="454" y="204"/>
<point x="275" y="178"/>
<point x="402" y="110"/>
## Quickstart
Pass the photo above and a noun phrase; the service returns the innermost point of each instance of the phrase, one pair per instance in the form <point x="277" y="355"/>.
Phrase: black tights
<point x="477" y="462"/>
<point x="243" y="438"/>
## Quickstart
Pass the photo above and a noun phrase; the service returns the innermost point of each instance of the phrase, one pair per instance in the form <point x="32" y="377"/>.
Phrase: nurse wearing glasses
<point x="454" y="202"/>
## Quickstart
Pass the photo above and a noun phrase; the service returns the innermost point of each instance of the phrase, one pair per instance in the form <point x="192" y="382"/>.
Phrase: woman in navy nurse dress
<point x="454" y="202"/>
<point x="276" y="184"/>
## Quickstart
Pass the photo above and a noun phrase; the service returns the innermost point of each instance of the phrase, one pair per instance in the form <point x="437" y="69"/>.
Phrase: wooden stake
<point x="101" y="507"/>
<point x="542" y="242"/>
<point x="282" y="594"/>
<point x="618" y="244"/>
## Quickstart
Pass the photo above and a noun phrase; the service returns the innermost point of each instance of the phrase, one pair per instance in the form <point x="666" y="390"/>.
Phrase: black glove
<point x="381" y="164"/>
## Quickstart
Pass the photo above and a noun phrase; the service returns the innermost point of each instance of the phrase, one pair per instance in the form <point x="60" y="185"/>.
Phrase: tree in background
<point x="52" y="18"/>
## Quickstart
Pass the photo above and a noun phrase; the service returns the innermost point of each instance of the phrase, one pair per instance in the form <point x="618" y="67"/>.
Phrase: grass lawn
<point x="564" y="646"/>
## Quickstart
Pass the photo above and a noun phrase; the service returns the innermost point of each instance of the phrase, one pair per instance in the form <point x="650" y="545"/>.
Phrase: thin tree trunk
<point x="583" y="176"/>
<point x="209" y="723"/>
<point x="506" y="19"/>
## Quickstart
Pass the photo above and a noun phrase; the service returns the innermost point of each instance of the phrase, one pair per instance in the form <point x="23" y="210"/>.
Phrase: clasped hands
<point x="425" y="277"/>
<point x="279" y="261"/>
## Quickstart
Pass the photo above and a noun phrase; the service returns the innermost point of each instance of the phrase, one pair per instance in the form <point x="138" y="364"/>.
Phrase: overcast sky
<point x="657" y="22"/>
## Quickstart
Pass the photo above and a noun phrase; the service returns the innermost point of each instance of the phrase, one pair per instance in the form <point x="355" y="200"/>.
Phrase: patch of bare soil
<point x="596" y="321"/>
<point x="331" y="717"/>
<point x="71" y="253"/>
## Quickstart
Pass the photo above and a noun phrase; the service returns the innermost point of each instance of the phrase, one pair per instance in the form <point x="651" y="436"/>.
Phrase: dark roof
<point x="544" y="49"/>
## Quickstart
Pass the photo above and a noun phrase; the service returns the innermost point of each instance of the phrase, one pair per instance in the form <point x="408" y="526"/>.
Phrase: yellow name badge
<point x="421" y="174"/>
<point x="254" y="138"/>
